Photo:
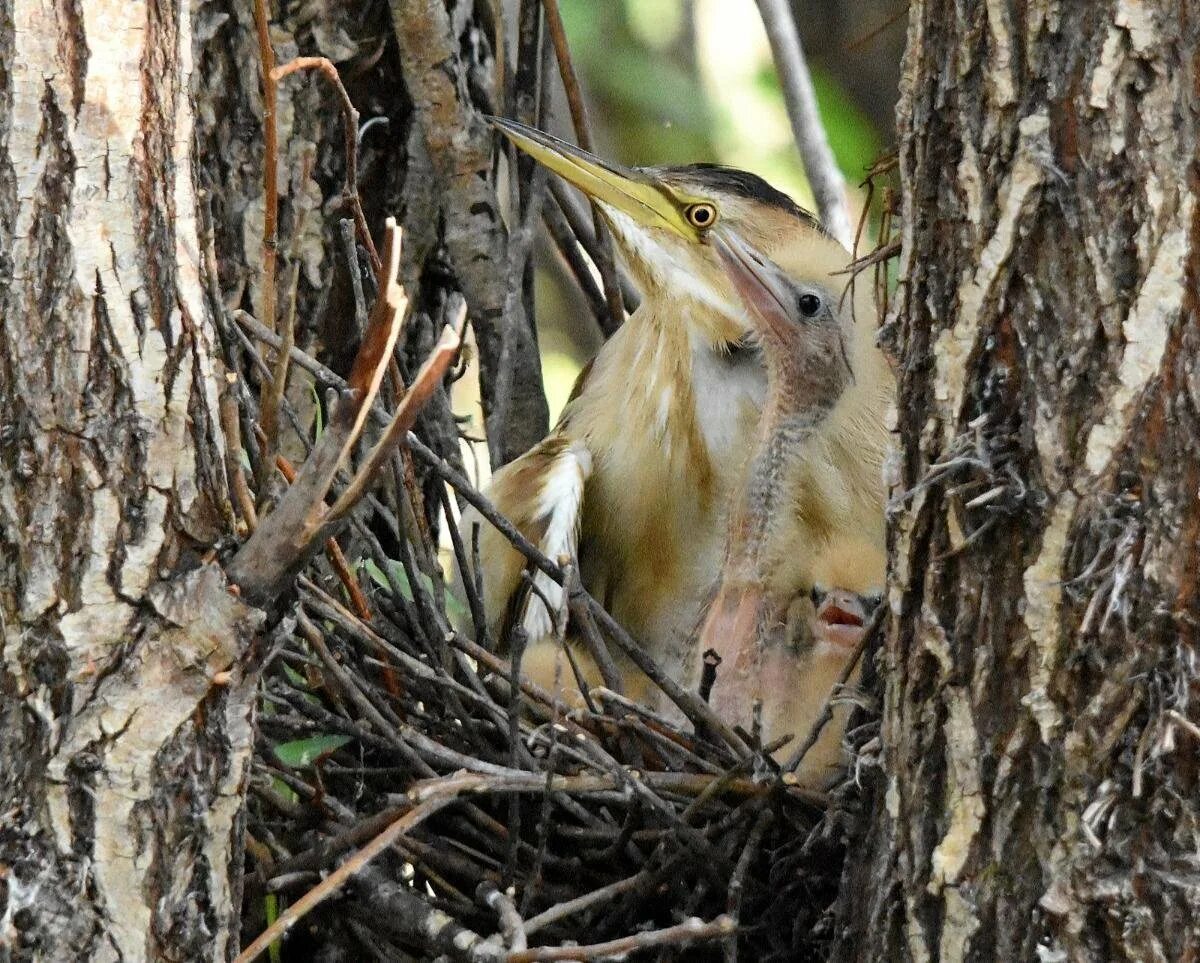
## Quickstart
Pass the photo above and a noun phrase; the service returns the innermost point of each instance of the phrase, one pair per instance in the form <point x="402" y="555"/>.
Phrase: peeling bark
<point x="1038" y="796"/>
<point x="125" y="719"/>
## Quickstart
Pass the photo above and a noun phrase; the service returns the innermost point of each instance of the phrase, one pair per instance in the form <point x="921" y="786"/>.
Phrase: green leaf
<point x="271" y="912"/>
<point x="294" y="677"/>
<point x="455" y="608"/>
<point x="286" y="791"/>
<point x="303" y="752"/>
<point x="319" y="415"/>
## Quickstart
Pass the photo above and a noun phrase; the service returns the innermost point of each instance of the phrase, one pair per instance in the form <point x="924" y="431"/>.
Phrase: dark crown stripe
<point x="751" y="186"/>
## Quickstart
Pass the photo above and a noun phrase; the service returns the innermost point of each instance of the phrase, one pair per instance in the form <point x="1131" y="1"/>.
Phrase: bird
<point x="634" y="480"/>
<point x="767" y="675"/>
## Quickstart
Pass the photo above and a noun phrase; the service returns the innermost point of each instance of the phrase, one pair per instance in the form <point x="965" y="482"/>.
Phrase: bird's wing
<point x="541" y="493"/>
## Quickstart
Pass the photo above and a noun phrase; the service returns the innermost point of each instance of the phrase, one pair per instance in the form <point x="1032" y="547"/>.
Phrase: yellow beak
<point x="624" y="189"/>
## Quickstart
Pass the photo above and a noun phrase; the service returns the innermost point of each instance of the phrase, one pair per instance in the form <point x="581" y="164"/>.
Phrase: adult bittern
<point x="776" y="548"/>
<point x="637" y="475"/>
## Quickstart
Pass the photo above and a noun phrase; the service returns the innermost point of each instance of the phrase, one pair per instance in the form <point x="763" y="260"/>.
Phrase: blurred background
<point x="681" y="81"/>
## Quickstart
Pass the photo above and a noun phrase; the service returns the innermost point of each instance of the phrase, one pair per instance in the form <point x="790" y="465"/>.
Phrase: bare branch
<point x="350" y="124"/>
<point x="688" y="932"/>
<point x="270" y="241"/>
<point x="828" y="185"/>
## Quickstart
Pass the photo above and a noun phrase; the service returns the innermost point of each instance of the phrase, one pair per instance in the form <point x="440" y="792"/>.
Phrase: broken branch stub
<point x="298" y="527"/>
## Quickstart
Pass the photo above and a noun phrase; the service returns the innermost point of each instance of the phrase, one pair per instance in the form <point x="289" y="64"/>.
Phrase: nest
<point x="412" y="796"/>
<point x="442" y="811"/>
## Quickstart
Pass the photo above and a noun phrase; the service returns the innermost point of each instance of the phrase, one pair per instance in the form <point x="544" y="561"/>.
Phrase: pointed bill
<point x="763" y="286"/>
<point x="623" y="188"/>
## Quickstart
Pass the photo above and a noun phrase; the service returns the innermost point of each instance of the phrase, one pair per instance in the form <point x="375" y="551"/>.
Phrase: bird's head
<point x="800" y="324"/>
<point x="665" y="219"/>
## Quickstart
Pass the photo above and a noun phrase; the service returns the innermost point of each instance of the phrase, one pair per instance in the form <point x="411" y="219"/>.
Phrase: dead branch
<point x="350" y="128"/>
<point x="270" y="241"/>
<point x="287" y="537"/>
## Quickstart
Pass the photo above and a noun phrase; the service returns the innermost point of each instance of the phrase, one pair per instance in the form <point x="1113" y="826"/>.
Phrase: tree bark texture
<point x="1039" y="796"/>
<point x="131" y="212"/>
<point x="125" y="719"/>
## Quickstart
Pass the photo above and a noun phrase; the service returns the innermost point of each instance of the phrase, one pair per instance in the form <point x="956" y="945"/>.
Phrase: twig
<point x="338" y="878"/>
<point x="427" y="380"/>
<point x="347" y="229"/>
<point x="511" y="925"/>
<point x="270" y="241"/>
<point x="571" y="249"/>
<point x="337" y="558"/>
<point x="684" y="934"/>
<point x="576" y="215"/>
<point x="828" y="185"/>
<point x="515" y="781"/>
<point x="350" y="123"/>
<point x="581" y="903"/>
<point x="325" y="375"/>
<point x="295" y="529"/>
<point x="737" y="883"/>
<point x="710" y="662"/>
<point x="233" y="448"/>
<point x="276" y="389"/>
<point x="1179" y="719"/>
<point x="583" y="134"/>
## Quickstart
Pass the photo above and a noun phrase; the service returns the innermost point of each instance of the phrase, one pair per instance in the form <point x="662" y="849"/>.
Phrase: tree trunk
<point x="125" y="718"/>
<point x="1039" y="795"/>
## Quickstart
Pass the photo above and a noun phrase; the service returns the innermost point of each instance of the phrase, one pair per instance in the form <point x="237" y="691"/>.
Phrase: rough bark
<point x="1039" y="795"/>
<point x="125" y="732"/>
<point x="486" y="260"/>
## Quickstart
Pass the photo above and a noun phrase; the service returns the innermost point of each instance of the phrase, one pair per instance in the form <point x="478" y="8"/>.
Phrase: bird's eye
<point x="809" y="305"/>
<point x="701" y="215"/>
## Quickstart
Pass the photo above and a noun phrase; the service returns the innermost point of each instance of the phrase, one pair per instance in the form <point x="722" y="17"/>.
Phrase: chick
<point x="779" y="549"/>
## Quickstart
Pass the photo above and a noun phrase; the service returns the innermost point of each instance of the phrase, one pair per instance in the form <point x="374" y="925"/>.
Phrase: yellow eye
<point x="702" y="216"/>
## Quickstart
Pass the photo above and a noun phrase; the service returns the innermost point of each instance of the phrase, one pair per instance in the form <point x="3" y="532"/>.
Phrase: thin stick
<point x="583" y="134"/>
<point x="350" y="122"/>
<point x="337" y="557"/>
<point x="270" y="241"/>
<point x="511" y="924"/>
<point x="828" y="185"/>
<point x="233" y="446"/>
<point x="275" y="392"/>
<point x="687" y="932"/>
<point x="338" y="878"/>
<point x="580" y="903"/>
<point x="428" y="378"/>
<point x="693" y="784"/>
<point x="733" y="899"/>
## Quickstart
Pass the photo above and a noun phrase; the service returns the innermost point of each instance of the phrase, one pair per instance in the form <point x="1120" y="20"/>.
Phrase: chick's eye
<point x="809" y="305"/>
<point x="701" y="215"/>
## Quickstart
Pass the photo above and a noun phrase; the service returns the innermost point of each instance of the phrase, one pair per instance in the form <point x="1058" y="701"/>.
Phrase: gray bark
<point x="125" y="731"/>
<point x="1038" y="796"/>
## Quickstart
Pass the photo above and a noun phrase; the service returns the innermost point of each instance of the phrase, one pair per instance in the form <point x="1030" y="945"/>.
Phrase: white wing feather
<point x="561" y="506"/>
